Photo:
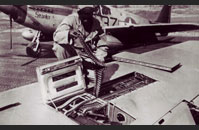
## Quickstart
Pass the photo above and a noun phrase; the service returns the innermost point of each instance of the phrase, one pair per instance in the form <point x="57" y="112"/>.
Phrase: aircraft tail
<point x="165" y="15"/>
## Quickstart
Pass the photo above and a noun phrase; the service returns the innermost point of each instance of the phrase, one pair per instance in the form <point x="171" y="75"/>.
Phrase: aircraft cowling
<point x="17" y="12"/>
<point x="29" y="35"/>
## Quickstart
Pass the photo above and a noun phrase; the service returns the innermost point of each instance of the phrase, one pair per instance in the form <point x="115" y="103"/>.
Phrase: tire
<point x="30" y="52"/>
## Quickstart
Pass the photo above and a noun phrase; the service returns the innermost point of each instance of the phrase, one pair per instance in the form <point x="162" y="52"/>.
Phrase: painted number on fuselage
<point x="109" y="21"/>
<point x="114" y="20"/>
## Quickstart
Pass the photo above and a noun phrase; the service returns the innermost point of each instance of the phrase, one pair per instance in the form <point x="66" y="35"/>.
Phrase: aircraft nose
<point x="9" y="10"/>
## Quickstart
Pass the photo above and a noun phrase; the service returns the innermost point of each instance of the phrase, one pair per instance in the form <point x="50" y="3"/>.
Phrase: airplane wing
<point x="146" y="32"/>
<point x="154" y="28"/>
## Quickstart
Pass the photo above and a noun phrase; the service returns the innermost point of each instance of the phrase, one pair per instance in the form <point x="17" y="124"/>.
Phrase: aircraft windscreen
<point x="106" y="10"/>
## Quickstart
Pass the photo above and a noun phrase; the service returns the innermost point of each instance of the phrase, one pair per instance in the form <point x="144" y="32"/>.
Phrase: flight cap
<point x="86" y="10"/>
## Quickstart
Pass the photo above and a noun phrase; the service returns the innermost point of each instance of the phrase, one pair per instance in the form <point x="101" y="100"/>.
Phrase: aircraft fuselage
<point x="46" y="18"/>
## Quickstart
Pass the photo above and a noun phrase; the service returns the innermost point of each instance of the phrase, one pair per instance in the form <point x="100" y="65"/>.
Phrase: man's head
<point x="86" y="14"/>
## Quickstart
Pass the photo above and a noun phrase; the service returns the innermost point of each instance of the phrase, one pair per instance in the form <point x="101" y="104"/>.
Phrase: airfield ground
<point x="16" y="68"/>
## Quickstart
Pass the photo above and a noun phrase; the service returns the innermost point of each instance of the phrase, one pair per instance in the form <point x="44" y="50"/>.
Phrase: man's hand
<point x="73" y="34"/>
<point x="101" y="54"/>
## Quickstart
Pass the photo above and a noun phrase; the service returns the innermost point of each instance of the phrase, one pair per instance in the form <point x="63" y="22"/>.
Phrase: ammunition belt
<point x="89" y="52"/>
<point x="98" y="72"/>
<point x="98" y="81"/>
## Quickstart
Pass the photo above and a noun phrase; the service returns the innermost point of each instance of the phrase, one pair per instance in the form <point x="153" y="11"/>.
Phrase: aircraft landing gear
<point x="33" y="49"/>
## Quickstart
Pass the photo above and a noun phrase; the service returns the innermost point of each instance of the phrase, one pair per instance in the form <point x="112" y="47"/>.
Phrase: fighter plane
<point x="123" y="25"/>
<point x="130" y="94"/>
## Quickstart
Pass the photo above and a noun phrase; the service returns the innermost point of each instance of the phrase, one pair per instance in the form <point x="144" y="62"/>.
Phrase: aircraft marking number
<point x="109" y="20"/>
<point x="115" y="20"/>
<point x="105" y="20"/>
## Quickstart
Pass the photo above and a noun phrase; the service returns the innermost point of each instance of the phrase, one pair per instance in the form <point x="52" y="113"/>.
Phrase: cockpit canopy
<point x="102" y="10"/>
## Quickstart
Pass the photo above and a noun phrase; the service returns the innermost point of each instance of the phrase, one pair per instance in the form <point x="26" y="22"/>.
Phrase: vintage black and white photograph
<point x="99" y="64"/>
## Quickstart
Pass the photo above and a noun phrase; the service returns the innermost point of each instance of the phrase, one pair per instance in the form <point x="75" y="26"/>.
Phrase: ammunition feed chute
<point x="86" y="43"/>
<point x="86" y="47"/>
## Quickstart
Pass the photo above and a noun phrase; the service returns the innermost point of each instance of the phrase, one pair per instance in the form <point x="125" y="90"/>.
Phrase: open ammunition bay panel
<point x="124" y="85"/>
<point x="86" y="109"/>
<point x="61" y="78"/>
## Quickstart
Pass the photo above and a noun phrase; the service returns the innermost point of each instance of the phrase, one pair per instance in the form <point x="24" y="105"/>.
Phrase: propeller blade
<point x="10" y="32"/>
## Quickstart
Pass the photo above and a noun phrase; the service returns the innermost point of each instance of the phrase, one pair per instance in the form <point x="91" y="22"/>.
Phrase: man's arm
<point x="61" y="35"/>
<point x="97" y="26"/>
